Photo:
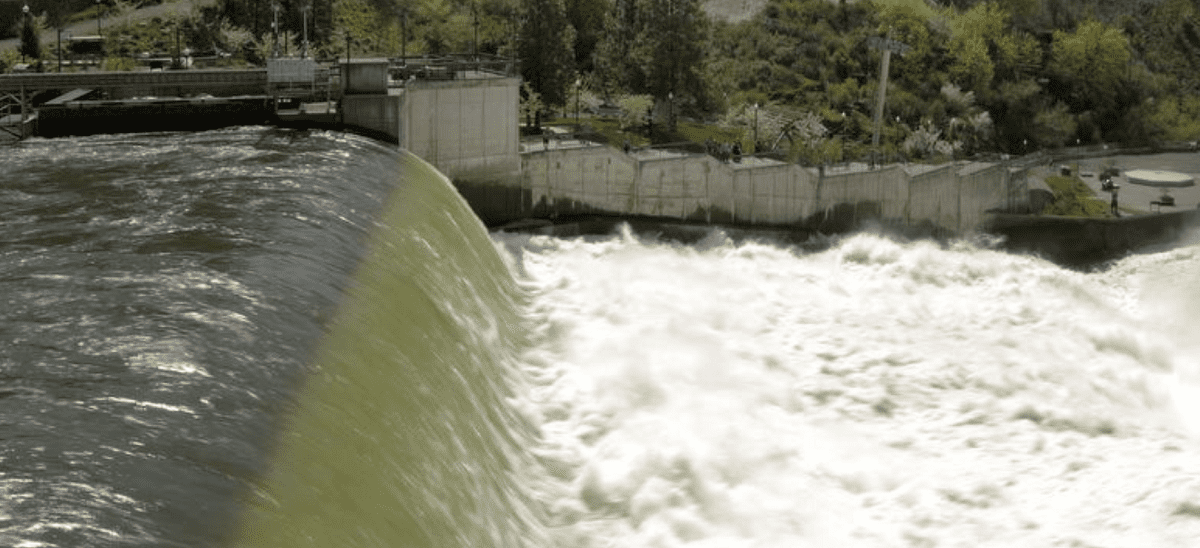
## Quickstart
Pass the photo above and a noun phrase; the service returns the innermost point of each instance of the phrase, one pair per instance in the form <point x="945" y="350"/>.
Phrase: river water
<point x="256" y="337"/>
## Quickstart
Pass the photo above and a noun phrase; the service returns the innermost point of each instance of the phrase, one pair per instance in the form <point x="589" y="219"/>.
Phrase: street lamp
<point x="25" y="20"/>
<point x="304" y="13"/>
<point x="671" y="110"/>
<point x="402" y="14"/>
<point x="578" y="83"/>
<point x="275" y="30"/>
<point x="756" y="128"/>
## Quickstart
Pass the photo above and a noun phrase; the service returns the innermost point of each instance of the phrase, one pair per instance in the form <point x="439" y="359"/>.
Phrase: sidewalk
<point x="1135" y="199"/>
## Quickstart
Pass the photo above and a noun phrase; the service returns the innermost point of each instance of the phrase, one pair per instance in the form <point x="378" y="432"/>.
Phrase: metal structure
<point x="301" y="90"/>
<point x="450" y="67"/>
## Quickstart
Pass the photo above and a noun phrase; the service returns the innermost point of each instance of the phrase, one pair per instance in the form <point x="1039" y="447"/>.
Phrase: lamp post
<point x="842" y="139"/>
<point x="404" y="34"/>
<point x="304" y="13"/>
<point x="59" y="49"/>
<point x="25" y="21"/>
<point x="671" y="110"/>
<point x="275" y="30"/>
<point x="756" y="128"/>
<point x="578" y="83"/>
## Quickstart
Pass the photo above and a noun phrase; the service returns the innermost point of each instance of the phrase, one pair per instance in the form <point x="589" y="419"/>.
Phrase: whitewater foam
<point x="878" y="393"/>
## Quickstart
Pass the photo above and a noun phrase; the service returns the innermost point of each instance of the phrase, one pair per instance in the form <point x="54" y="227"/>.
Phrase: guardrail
<point x="14" y="83"/>
<point x="449" y="67"/>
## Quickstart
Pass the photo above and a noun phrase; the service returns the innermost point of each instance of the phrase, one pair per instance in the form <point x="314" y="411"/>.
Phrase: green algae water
<point x="405" y="433"/>
<point x="251" y="337"/>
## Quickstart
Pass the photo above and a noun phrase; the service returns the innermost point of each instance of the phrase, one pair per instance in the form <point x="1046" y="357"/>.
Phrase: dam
<point x="257" y="337"/>
<point x="461" y="114"/>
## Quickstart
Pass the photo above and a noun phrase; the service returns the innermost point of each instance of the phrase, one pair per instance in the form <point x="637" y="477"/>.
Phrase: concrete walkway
<point x="1133" y="198"/>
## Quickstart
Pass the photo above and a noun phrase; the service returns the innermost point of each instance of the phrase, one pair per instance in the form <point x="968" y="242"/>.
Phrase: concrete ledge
<point x="1078" y="241"/>
<point x="374" y="115"/>
<point x="94" y="117"/>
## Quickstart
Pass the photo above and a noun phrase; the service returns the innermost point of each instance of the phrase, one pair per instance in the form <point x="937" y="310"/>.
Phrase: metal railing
<point x="450" y="67"/>
<point x="11" y="83"/>
<point x="7" y="104"/>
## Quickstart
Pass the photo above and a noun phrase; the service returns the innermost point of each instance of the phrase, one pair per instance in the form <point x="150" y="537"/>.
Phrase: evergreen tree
<point x="612" y="57"/>
<point x="546" y="49"/>
<point x="670" y="48"/>
<point x="656" y="47"/>
<point x="30" y="44"/>
<point x="587" y="17"/>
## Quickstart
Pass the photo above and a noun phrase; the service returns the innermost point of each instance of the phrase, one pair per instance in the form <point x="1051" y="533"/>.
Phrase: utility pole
<point x="888" y="46"/>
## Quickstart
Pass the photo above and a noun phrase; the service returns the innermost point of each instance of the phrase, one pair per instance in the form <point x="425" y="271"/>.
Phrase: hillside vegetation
<point x="799" y="76"/>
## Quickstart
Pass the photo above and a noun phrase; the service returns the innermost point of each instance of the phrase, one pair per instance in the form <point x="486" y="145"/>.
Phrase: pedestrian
<point x="1114" y="204"/>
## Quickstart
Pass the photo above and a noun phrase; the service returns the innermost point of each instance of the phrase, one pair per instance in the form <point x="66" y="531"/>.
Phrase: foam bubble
<point x="879" y="393"/>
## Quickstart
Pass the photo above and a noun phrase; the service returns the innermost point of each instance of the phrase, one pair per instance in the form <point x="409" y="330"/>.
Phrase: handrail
<point x="94" y="80"/>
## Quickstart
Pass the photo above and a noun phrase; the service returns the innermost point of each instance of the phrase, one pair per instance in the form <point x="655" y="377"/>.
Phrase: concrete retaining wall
<point x="694" y="187"/>
<point x="981" y="188"/>
<point x="877" y="194"/>
<point x="1082" y="241"/>
<point x="933" y="198"/>
<point x="466" y="127"/>
<point x="376" y="115"/>
<point x="586" y="178"/>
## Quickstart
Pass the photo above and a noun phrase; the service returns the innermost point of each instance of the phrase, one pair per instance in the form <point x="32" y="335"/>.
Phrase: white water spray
<point x="875" y="394"/>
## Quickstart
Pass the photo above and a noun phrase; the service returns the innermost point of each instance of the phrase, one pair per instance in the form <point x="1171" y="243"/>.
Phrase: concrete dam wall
<point x="577" y="178"/>
<point x="461" y="115"/>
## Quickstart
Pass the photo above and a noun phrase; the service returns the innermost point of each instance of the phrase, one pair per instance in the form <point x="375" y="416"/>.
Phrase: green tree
<point x="656" y="47"/>
<point x="30" y="45"/>
<point x="612" y="57"/>
<point x="1092" y="64"/>
<point x="587" y="17"/>
<point x="916" y="25"/>
<point x="1013" y="108"/>
<point x="670" y="47"/>
<point x="546" y="49"/>
<point x="1054" y="126"/>
<point x="972" y="68"/>
<point x="981" y="46"/>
